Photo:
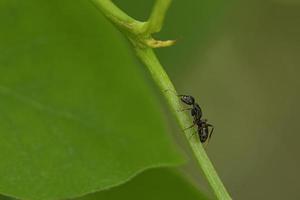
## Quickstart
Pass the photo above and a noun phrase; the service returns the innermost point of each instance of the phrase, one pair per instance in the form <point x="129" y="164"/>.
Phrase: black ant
<point x="196" y="112"/>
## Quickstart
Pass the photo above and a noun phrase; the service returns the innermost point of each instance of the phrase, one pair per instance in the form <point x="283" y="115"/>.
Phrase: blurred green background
<point x="240" y="60"/>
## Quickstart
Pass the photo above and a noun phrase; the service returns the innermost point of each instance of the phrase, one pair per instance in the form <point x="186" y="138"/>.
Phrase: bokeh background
<point x="240" y="59"/>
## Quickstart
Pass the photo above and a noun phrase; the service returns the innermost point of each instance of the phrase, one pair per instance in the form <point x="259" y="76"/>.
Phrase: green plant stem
<point x="140" y="36"/>
<point x="157" y="16"/>
<point x="118" y="17"/>
<point x="160" y="77"/>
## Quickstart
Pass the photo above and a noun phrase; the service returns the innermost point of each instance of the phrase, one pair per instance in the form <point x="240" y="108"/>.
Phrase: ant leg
<point x="209" y="136"/>
<point x="179" y="95"/>
<point x="210" y="133"/>
<point x="212" y="130"/>
<point x="168" y="90"/>
<point x="185" y="109"/>
<point x="192" y="135"/>
<point x="189" y="127"/>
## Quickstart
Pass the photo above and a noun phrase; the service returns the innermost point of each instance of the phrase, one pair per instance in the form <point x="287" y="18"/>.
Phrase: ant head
<point x="189" y="100"/>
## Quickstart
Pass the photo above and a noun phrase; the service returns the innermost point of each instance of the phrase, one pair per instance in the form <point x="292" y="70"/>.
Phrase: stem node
<point x="139" y="33"/>
<point x="152" y="43"/>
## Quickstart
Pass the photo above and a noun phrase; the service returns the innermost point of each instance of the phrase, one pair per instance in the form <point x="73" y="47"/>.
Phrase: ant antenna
<point x="168" y="90"/>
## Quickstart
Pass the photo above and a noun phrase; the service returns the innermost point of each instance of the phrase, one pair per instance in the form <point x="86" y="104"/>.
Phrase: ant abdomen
<point x="203" y="134"/>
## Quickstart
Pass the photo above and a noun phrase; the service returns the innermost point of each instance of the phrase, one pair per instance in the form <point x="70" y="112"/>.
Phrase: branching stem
<point x="155" y="22"/>
<point x="139" y="33"/>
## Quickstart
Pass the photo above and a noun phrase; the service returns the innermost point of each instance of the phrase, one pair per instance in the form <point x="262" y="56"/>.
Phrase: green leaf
<point x="153" y="184"/>
<point x="150" y="185"/>
<point x="6" y="198"/>
<point x="76" y="115"/>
